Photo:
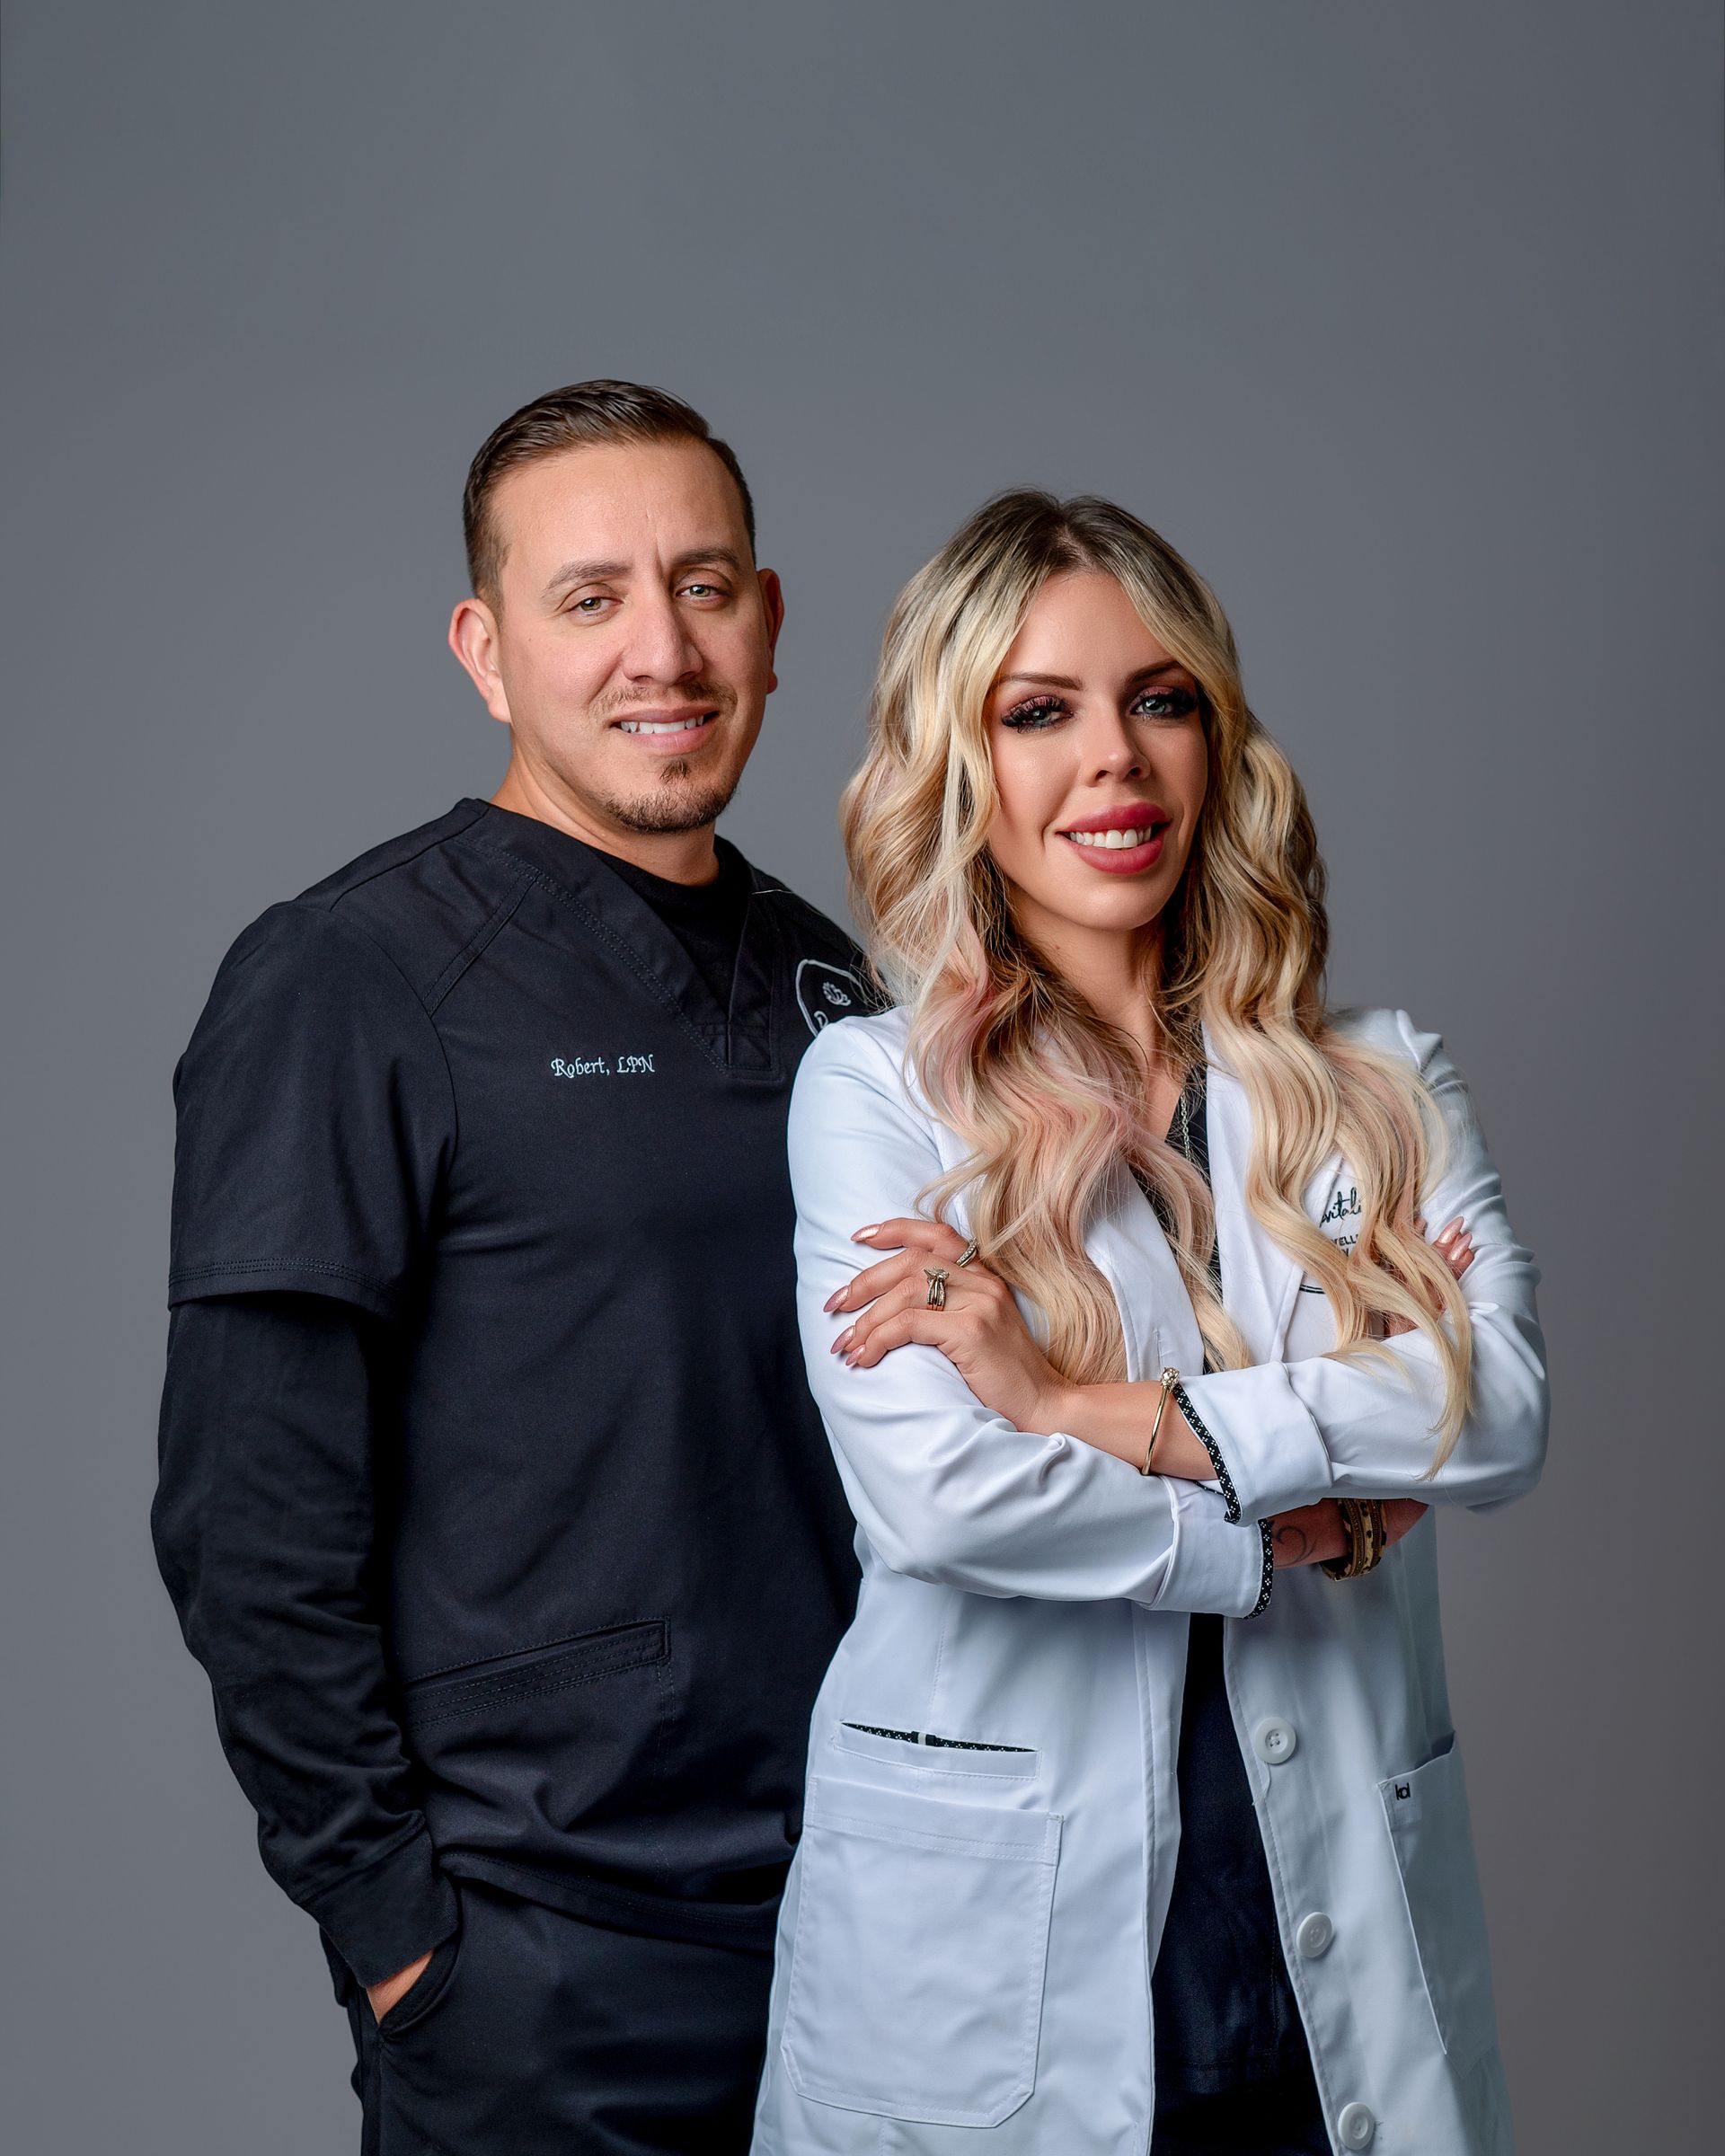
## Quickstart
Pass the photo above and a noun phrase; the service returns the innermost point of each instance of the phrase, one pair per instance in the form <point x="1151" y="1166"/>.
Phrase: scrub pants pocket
<point x="921" y="1942"/>
<point x="553" y="2037"/>
<point x="428" y="1990"/>
<point x="395" y="2055"/>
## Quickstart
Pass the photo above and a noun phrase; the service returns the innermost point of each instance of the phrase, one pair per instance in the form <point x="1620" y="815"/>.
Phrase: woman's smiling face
<point x="1099" y="761"/>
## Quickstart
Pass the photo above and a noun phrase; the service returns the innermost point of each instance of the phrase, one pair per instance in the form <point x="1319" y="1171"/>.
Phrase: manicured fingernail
<point x="834" y="1300"/>
<point x="844" y="1339"/>
<point x="851" y="1361"/>
<point x="865" y="1235"/>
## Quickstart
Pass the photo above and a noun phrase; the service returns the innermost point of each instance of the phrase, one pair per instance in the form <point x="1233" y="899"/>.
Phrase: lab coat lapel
<point x="1129" y="1250"/>
<point x="1259" y="1279"/>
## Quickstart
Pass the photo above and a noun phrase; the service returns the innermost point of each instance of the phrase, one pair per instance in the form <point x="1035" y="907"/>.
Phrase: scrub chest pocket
<point x="920" y="1943"/>
<point x="533" y="1743"/>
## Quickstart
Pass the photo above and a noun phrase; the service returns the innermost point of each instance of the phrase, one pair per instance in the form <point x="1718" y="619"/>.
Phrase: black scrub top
<point x="474" y="1093"/>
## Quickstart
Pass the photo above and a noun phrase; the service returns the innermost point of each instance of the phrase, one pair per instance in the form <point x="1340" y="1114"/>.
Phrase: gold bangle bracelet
<point x="1170" y="1379"/>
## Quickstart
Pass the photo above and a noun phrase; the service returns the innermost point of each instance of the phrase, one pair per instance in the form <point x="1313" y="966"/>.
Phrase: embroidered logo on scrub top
<point x="825" y="992"/>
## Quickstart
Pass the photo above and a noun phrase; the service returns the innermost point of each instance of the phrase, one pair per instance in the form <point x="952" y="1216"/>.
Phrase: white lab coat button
<point x="1356" y="2126"/>
<point x="1313" y="1935"/>
<point x="1273" y="1740"/>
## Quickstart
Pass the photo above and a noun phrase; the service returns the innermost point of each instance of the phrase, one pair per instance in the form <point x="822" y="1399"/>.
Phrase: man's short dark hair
<point x="573" y="418"/>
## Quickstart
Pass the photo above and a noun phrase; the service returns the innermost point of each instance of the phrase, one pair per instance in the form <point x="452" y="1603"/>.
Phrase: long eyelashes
<point x="1171" y="703"/>
<point x="1042" y="712"/>
<point x="1039" y="712"/>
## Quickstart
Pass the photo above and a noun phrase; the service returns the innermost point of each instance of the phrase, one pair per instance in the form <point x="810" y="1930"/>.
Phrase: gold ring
<point x="966" y="1254"/>
<point x="935" y="1275"/>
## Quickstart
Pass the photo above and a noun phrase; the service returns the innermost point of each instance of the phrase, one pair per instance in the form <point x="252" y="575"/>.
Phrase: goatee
<point x="673" y="806"/>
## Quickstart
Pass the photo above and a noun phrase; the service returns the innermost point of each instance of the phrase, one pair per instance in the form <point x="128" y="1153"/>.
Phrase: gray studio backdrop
<point x="1404" y="321"/>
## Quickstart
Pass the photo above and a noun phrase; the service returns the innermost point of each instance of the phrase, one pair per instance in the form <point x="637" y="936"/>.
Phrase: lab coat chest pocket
<point x="916" y="1971"/>
<point x="1427" y="1813"/>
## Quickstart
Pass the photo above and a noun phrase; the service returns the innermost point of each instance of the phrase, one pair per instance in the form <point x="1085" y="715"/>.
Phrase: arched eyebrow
<point x="600" y="572"/>
<point x="1064" y="681"/>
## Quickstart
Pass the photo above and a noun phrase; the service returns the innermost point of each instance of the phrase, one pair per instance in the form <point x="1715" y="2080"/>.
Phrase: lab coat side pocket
<point x="921" y="1944"/>
<point x="1426" y="1811"/>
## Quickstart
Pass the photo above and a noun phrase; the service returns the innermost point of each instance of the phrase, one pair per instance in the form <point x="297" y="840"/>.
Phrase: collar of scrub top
<point x="743" y="1039"/>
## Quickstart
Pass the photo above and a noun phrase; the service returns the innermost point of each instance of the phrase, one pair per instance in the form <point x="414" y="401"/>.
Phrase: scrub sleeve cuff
<point x="281" y="1275"/>
<point x="1265" y="1447"/>
<point x="388" y="1914"/>
<point x="1215" y="1566"/>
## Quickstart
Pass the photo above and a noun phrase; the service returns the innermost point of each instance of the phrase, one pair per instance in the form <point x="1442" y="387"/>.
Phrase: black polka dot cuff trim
<point x="1267" y="1576"/>
<point x="1182" y="1400"/>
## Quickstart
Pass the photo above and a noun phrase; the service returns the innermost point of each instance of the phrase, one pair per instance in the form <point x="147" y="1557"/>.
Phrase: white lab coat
<point x="968" y="1935"/>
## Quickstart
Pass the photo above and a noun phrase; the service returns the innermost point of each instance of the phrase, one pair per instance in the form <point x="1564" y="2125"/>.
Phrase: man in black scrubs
<point x="492" y="1498"/>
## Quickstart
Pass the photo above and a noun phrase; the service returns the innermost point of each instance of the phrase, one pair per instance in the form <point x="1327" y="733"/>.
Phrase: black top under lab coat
<point x="1226" y="2023"/>
<point x="567" y="1601"/>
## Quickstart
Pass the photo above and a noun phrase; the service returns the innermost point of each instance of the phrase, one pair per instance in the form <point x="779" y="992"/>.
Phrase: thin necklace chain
<point x="1183" y="1118"/>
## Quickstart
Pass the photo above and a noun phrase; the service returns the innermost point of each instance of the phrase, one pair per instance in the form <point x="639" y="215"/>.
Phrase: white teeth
<point x="663" y="726"/>
<point x="1113" y="839"/>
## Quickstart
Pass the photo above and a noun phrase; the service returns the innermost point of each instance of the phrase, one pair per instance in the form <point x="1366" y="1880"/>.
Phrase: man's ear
<point x="773" y="600"/>
<point x="473" y="638"/>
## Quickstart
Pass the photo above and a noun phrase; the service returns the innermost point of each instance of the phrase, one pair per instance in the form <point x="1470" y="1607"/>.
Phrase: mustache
<point x="711" y="695"/>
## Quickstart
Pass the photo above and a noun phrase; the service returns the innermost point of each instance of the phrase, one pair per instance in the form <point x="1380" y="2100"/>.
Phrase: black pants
<point x="1263" y="2118"/>
<point x="535" y="2034"/>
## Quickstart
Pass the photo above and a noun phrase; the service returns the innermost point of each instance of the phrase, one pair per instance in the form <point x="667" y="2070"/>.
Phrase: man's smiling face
<point x="629" y="643"/>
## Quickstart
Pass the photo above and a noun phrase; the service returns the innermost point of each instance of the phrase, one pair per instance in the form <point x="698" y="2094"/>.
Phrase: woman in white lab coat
<point x="1156" y="1321"/>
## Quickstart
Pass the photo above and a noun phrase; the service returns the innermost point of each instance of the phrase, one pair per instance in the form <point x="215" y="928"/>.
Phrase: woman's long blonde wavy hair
<point x="1049" y="1098"/>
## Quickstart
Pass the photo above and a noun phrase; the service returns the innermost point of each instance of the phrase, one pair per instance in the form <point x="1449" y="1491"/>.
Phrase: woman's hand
<point x="979" y="1331"/>
<point x="1455" y="1246"/>
<point x="1314" y="1534"/>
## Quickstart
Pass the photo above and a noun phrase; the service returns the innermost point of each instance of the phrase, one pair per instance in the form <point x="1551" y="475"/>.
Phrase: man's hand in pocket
<point x="384" y="1995"/>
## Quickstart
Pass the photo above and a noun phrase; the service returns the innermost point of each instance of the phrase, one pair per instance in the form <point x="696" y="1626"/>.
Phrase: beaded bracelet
<point x="1363" y="1524"/>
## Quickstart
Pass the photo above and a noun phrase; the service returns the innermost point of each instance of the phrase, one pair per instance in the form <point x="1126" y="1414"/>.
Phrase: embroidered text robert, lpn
<point x="599" y="1067"/>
